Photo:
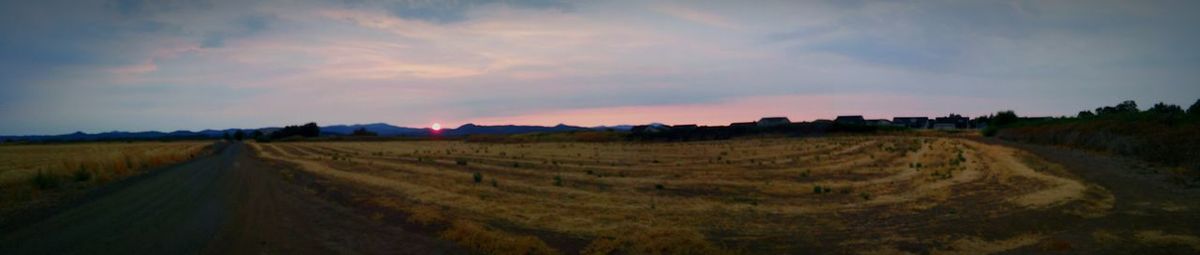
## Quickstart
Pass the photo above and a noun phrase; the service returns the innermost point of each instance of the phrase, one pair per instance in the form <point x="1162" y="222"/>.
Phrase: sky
<point x="132" y="65"/>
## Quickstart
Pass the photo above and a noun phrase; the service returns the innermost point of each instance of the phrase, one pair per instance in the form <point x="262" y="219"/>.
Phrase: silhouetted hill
<point x="472" y="129"/>
<point x="382" y="129"/>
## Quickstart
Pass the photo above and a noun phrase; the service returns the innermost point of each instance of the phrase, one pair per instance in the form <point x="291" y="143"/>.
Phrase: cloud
<point x="132" y="65"/>
<point x="698" y="16"/>
<point x="457" y="10"/>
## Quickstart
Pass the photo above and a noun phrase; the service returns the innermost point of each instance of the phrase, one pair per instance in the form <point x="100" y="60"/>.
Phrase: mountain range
<point x="383" y="129"/>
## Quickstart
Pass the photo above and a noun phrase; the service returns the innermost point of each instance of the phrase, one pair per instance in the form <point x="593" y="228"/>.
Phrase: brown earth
<point x="227" y="203"/>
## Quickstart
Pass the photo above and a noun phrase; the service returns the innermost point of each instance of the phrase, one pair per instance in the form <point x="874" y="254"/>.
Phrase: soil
<point x="227" y="203"/>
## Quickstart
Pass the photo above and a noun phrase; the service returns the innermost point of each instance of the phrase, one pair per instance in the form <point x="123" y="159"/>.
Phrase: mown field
<point x="32" y="175"/>
<point x="785" y="195"/>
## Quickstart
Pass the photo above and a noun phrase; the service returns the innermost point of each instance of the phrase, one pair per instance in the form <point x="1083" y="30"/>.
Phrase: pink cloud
<point x="795" y="107"/>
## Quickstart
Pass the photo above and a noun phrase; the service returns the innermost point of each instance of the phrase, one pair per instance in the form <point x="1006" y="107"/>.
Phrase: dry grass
<point x="628" y="197"/>
<point x="491" y="241"/>
<point x="1158" y="238"/>
<point x="660" y="240"/>
<point x="30" y="174"/>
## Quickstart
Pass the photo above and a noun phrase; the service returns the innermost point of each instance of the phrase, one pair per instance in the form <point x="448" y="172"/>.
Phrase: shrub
<point x="82" y="175"/>
<point x="45" y="181"/>
<point x="1195" y="108"/>
<point x="461" y="162"/>
<point x="478" y="177"/>
<point x="816" y="189"/>
<point x="1004" y="118"/>
<point x="558" y="180"/>
<point x="658" y="186"/>
<point x="990" y="131"/>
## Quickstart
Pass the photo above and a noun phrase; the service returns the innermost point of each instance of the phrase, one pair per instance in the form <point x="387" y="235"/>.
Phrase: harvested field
<point x="758" y="195"/>
<point x="34" y="175"/>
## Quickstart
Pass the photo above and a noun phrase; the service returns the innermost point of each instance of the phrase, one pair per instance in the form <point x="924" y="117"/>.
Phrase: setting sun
<point x="436" y="127"/>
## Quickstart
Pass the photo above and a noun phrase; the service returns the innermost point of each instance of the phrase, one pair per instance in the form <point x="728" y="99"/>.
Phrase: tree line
<point x="307" y="130"/>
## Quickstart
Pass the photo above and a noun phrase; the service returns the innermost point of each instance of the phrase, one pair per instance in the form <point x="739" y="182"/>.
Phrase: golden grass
<point x="1158" y="238"/>
<point x="625" y="196"/>
<point x="491" y="241"/>
<point x="29" y="172"/>
<point x="660" y="240"/>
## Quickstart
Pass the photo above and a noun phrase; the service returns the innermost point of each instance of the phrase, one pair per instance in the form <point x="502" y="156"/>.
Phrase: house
<point x="879" y="122"/>
<point x="944" y="126"/>
<point x="773" y="121"/>
<point x="743" y="124"/>
<point x="954" y="121"/>
<point x="851" y="120"/>
<point x="652" y="128"/>
<point x="912" y="122"/>
<point x="685" y="127"/>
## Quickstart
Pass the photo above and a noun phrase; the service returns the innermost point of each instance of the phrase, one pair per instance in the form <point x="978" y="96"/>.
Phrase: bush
<point x="1004" y="118"/>
<point x="478" y="177"/>
<point x="990" y="131"/>
<point x="461" y="162"/>
<point x="363" y="132"/>
<point x="82" y="175"/>
<point x="558" y="180"/>
<point x="1195" y="108"/>
<point x="45" y="181"/>
<point x="658" y="186"/>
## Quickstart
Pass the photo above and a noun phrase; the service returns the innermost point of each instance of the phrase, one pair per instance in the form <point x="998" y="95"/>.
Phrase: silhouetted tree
<point x="1163" y="108"/>
<point x="307" y="130"/>
<point x="1004" y="118"/>
<point x="363" y="132"/>
<point x="256" y="134"/>
<point x="225" y="136"/>
<point x="1085" y="114"/>
<point x="1195" y="108"/>
<point x="239" y="135"/>
<point x="310" y="130"/>
<point x="1129" y="106"/>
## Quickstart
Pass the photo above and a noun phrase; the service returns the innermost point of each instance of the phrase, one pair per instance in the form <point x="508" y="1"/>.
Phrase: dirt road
<point x="227" y="203"/>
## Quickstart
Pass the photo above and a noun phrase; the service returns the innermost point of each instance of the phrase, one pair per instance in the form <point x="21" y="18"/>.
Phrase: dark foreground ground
<point x="227" y="203"/>
<point x="1144" y="200"/>
<point x="235" y="203"/>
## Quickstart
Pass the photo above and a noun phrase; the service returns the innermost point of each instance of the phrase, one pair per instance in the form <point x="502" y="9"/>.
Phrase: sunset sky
<point x="133" y="65"/>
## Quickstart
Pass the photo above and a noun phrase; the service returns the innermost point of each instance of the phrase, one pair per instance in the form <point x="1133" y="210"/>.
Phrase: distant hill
<point x="383" y="129"/>
<point x="472" y="129"/>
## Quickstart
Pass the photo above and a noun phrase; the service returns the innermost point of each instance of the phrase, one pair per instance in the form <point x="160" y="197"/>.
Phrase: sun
<point x="436" y="127"/>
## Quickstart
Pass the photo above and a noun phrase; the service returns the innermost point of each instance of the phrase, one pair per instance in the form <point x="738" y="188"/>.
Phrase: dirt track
<point x="228" y="203"/>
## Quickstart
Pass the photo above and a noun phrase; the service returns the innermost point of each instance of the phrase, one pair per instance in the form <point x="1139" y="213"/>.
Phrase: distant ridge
<point x="383" y="129"/>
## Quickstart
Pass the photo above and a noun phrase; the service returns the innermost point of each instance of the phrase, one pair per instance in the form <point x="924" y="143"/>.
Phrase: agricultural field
<point x="862" y="194"/>
<point x="33" y="174"/>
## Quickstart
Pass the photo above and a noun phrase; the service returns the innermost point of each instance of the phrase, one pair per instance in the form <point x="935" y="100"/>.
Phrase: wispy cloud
<point x="697" y="16"/>
<point x="131" y="65"/>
